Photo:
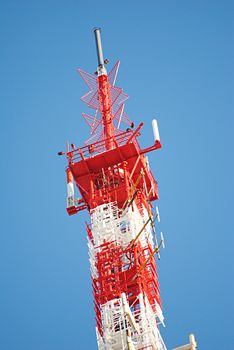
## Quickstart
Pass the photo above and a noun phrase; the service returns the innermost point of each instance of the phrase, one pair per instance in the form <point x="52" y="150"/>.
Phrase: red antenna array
<point x="117" y="188"/>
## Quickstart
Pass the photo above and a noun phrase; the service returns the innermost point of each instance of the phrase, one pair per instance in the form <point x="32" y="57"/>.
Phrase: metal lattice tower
<point x="117" y="188"/>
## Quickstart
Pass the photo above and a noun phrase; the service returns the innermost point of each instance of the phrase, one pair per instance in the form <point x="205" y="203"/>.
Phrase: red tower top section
<point x="111" y="166"/>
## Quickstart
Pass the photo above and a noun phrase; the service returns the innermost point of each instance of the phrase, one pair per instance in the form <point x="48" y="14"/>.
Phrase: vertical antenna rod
<point x="97" y="33"/>
<point x="104" y="94"/>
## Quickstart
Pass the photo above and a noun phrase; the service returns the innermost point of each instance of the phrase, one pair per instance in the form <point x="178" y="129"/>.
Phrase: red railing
<point x="100" y="146"/>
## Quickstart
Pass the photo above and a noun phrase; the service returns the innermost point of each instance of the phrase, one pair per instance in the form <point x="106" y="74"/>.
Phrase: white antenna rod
<point x="157" y="214"/>
<point x="155" y="130"/>
<point x="162" y="240"/>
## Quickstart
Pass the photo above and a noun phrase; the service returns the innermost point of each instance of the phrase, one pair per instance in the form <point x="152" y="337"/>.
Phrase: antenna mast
<point x="104" y="95"/>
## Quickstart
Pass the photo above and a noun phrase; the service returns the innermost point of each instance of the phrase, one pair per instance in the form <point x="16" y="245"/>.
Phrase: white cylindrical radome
<point x="155" y="130"/>
<point x="70" y="189"/>
<point x="191" y="346"/>
<point x="192" y="341"/>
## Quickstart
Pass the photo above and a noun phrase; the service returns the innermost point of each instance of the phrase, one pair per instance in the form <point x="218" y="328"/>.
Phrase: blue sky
<point x="176" y="65"/>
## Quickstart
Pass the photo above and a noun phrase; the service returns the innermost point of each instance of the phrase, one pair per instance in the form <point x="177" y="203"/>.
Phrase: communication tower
<point x="116" y="186"/>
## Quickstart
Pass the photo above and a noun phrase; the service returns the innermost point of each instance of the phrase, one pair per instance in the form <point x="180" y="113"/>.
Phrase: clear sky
<point x="176" y="65"/>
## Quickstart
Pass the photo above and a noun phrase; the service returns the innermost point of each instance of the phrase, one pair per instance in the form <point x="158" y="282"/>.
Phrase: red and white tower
<point x="117" y="187"/>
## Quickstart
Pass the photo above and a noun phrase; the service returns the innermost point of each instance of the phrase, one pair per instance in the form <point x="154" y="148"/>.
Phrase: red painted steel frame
<point x="116" y="276"/>
<point x="115" y="169"/>
<point x="105" y="109"/>
<point x="110" y="175"/>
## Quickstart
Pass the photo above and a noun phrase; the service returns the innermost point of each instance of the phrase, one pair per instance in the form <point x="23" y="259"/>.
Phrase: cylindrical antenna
<point x="155" y="130"/>
<point x="97" y="33"/>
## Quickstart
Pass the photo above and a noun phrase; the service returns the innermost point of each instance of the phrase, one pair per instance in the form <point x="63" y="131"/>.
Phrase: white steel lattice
<point x="110" y="224"/>
<point x="119" y="334"/>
